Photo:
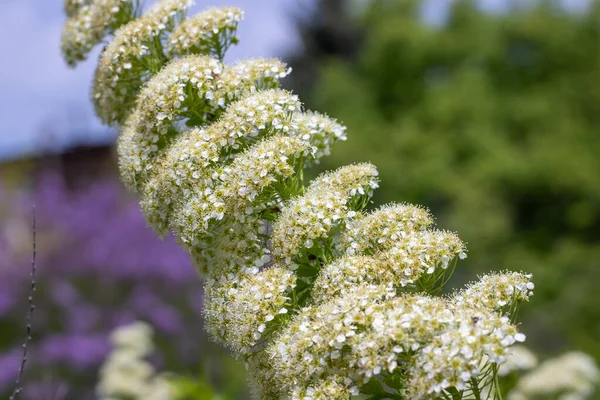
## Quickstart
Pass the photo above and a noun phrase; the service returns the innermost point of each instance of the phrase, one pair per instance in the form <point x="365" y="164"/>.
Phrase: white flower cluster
<point x="454" y="357"/>
<point x="189" y="162"/>
<point x="332" y="387"/>
<point x="321" y="130"/>
<point x="260" y="376"/>
<point x="318" y="297"/>
<point x="125" y="374"/>
<point x="371" y="331"/>
<point x="411" y="258"/>
<point x="233" y="189"/>
<point x="240" y="310"/>
<point x="571" y="376"/>
<point x="186" y="89"/>
<point x="134" y="53"/>
<point x="269" y="162"/>
<point x="89" y="22"/>
<point x="190" y="158"/>
<point x="210" y="32"/>
<point x="249" y="76"/>
<point x="381" y="229"/>
<point x="72" y="7"/>
<point x="496" y="291"/>
<point x="231" y="249"/>
<point x="329" y="201"/>
<point x="159" y="105"/>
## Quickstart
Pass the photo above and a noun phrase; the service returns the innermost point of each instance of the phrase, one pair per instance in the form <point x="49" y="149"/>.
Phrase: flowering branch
<point x="320" y="298"/>
<point x="18" y="388"/>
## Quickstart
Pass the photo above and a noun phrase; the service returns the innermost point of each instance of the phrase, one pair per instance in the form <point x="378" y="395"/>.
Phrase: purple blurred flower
<point x="7" y="301"/>
<point x="99" y="266"/>
<point x="79" y="351"/>
<point x="9" y="366"/>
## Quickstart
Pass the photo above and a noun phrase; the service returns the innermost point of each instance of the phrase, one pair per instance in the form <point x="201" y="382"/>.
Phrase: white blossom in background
<point x="125" y="374"/>
<point x="571" y="376"/>
<point x="318" y="297"/>
<point x="519" y="358"/>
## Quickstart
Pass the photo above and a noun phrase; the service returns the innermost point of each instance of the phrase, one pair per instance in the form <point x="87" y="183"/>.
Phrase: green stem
<point x="475" y="389"/>
<point x="498" y="392"/>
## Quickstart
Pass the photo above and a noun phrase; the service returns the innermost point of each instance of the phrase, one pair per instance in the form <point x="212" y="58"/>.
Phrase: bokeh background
<point x="487" y="112"/>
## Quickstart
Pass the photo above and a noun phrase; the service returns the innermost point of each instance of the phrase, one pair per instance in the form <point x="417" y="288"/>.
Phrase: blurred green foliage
<point x="192" y="389"/>
<point x="493" y="122"/>
<point x="225" y="381"/>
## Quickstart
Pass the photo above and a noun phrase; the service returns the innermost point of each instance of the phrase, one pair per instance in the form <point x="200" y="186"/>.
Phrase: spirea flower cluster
<point x="89" y="22"/>
<point x="319" y="297"/>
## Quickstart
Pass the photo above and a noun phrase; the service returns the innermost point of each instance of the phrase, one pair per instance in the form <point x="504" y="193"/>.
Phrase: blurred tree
<point x="327" y="31"/>
<point x="492" y="121"/>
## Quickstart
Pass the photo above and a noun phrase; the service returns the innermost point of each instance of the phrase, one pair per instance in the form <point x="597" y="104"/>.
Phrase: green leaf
<point x="373" y="387"/>
<point x="193" y="121"/>
<point x="394" y="381"/>
<point x="306" y="270"/>
<point x="456" y="395"/>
